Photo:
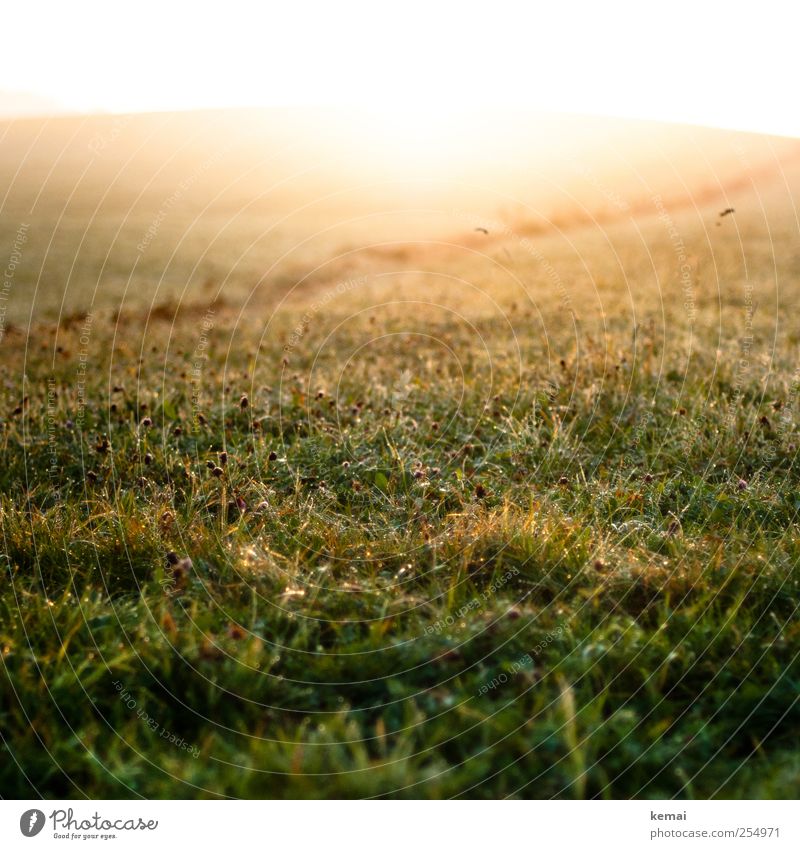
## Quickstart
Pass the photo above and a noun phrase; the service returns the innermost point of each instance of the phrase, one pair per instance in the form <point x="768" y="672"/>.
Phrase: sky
<point x="717" y="64"/>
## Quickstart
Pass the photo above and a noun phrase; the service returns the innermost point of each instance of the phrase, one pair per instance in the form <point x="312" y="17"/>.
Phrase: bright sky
<point x="722" y="64"/>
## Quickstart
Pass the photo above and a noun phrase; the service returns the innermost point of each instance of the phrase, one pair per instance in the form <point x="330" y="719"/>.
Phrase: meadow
<point x="508" y="508"/>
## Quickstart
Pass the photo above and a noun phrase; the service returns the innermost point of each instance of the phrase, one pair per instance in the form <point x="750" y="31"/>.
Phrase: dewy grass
<point x="502" y="548"/>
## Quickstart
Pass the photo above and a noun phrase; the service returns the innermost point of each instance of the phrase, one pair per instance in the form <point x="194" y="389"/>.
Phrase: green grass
<point x="478" y="531"/>
<point x="370" y="568"/>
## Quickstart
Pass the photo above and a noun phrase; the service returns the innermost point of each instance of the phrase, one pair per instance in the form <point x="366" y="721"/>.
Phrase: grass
<point x="442" y="541"/>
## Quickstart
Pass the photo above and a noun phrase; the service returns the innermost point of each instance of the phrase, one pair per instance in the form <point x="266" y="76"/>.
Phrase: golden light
<point x="421" y="66"/>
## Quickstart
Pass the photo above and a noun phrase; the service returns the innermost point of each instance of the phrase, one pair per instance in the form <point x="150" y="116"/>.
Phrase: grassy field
<point x="487" y="514"/>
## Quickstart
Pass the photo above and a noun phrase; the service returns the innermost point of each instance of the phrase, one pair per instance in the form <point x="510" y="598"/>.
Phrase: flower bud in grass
<point x="236" y="632"/>
<point x="182" y="568"/>
<point x="208" y="651"/>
